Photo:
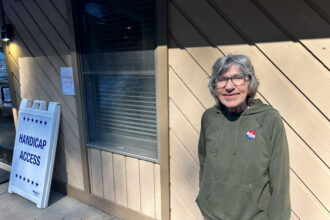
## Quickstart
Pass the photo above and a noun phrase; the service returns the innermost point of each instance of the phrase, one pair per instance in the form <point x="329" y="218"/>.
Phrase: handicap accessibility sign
<point x="34" y="151"/>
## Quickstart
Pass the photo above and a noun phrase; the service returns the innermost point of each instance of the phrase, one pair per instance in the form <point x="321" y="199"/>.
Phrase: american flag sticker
<point x="251" y="135"/>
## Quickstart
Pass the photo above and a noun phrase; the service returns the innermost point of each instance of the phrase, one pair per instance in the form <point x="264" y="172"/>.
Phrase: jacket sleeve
<point x="279" y="173"/>
<point x="201" y="151"/>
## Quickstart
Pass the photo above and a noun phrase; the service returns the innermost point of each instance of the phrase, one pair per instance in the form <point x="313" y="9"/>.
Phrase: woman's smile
<point x="231" y="95"/>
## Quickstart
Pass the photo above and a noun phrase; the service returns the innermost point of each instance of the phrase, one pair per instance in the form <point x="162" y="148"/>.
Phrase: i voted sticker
<point x="251" y="135"/>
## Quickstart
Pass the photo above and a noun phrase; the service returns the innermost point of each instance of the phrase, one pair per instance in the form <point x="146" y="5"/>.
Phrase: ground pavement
<point x="60" y="207"/>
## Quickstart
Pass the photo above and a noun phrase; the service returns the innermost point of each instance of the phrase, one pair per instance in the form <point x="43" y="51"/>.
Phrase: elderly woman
<point x="243" y="151"/>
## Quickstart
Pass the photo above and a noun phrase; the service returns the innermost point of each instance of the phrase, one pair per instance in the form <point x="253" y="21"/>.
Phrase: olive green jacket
<point x="244" y="165"/>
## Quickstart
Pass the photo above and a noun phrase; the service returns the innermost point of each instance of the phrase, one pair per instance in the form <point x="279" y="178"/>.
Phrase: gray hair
<point x="243" y="64"/>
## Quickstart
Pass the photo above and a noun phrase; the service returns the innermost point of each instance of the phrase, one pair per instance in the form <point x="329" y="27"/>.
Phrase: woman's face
<point x="233" y="96"/>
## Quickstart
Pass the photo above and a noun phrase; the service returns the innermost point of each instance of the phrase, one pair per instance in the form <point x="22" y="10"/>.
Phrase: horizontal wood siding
<point x="36" y="53"/>
<point x="127" y="181"/>
<point x="288" y="43"/>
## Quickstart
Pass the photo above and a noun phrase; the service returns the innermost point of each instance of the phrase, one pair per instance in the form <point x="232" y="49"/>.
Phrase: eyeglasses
<point x="238" y="79"/>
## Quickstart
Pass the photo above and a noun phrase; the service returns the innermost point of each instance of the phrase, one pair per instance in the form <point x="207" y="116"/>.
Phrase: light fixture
<point x="6" y="29"/>
<point x="6" y="32"/>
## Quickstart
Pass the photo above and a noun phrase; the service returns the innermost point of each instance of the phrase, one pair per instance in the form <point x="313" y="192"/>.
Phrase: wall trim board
<point x="163" y="107"/>
<point x="97" y="202"/>
<point x="78" y="91"/>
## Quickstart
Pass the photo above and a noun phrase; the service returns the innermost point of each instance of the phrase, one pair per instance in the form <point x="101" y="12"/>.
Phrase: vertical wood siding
<point x="288" y="43"/>
<point x="130" y="182"/>
<point x="38" y="50"/>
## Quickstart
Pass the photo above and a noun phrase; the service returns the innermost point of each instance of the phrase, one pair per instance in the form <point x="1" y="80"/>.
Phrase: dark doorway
<point x="7" y="127"/>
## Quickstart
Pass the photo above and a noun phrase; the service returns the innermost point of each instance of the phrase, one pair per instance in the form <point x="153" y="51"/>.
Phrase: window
<point x="117" y="53"/>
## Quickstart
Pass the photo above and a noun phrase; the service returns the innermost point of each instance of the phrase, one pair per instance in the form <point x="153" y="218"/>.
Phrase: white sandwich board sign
<point x="34" y="151"/>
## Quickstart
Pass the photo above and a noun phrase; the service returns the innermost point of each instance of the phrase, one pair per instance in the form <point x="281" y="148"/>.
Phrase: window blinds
<point x="118" y="62"/>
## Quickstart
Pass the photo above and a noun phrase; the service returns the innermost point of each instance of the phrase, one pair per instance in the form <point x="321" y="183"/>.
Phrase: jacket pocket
<point x="227" y="201"/>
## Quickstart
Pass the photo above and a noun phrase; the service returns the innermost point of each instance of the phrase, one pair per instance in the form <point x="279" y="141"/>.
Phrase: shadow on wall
<point x="252" y="22"/>
<point x="31" y="87"/>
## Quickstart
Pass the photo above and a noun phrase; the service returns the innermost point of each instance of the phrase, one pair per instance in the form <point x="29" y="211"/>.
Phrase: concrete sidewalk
<point x="60" y="207"/>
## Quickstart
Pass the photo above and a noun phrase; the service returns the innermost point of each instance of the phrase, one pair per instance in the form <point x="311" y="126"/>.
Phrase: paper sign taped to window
<point x="67" y="81"/>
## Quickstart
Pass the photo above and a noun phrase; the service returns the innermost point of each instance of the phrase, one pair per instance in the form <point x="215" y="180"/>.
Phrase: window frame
<point x="161" y="67"/>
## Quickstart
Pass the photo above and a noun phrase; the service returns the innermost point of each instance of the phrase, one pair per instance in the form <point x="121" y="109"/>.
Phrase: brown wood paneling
<point x="72" y="164"/>
<point x="199" y="30"/>
<point x="192" y="75"/>
<point x="107" y="174"/>
<point x="34" y="79"/>
<point x="119" y="171"/>
<point x="303" y="202"/>
<point x="38" y="47"/>
<point x="100" y="203"/>
<point x="178" y="209"/>
<point x="40" y="38"/>
<point x="322" y="7"/>
<point x="301" y="64"/>
<point x="68" y="161"/>
<point x="55" y="19"/>
<point x="188" y="166"/>
<point x="184" y="190"/>
<point x="303" y="23"/>
<point x="60" y="6"/>
<point x="184" y="131"/>
<point x="287" y="99"/>
<point x="294" y="216"/>
<point x="95" y="165"/>
<point x="14" y="69"/>
<point x="60" y="172"/>
<point x="127" y="181"/>
<point x="15" y="51"/>
<point x="158" y="199"/>
<point x="31" y="52"/>
<point x="30" y="86"/>
<point x="52" y="78"/>
<point x="309" y="168"/>
<point x="306" y="165"/>
<point x="56" y="41"/>
<point x="324" y="4"/>
<point x="185" y="17"/>
<point x="147" y="186"/>
<point x="186" y="102"/>
<point x="193" y="41"/>
<point x="205" y="54"/>
<point x="133" y="183"/>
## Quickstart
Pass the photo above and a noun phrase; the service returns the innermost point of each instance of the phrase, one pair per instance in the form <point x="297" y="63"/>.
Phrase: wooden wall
<point x="289" y="45"/>
<point x="39" y="48"/>
<point x="127" y="181"/>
